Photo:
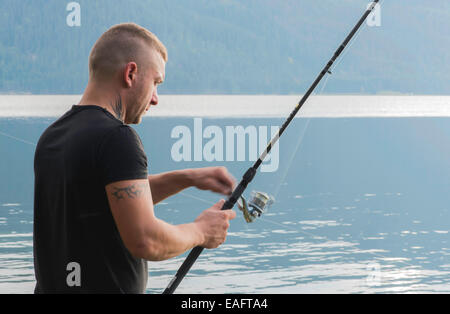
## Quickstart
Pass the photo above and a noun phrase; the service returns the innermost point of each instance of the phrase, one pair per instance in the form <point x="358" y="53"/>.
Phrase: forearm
<point x="165" y="241"/>
<point x="167" y="184"/>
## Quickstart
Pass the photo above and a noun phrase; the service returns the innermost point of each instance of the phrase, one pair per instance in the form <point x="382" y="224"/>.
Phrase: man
<point x="94" y="224"/>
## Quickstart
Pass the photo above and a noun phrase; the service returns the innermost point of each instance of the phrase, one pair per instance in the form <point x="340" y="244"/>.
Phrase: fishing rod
<point x="260" y="200"/>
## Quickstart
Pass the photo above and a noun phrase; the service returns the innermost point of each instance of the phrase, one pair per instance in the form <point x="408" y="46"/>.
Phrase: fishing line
<point x="355" y="39"/>
<point x="249" y="175"/>
<point x="197" y="198"/>
<point x="17" y="139"/>
<point x="297" y="146"/>
<point x="205" y="201"/>
<point x="334" y="67"/>
<point x="324" y="84"/>
<point x="291" y="160"/>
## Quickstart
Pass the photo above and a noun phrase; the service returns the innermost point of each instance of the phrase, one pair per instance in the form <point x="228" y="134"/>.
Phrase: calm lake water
<point x="362" y="201"/>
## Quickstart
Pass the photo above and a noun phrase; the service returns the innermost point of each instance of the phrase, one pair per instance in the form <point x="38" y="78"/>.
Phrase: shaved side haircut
<point x="122" y="43"/>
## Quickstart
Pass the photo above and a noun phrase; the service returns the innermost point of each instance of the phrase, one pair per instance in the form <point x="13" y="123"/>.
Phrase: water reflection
<point x="292" y="259"/>
<point x="277" y="255"/>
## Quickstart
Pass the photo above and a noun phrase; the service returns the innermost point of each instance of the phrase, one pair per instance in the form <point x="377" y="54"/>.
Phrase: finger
<point x="227" y="187"/>
<point x="219" y="187"/>
<point x="229" y="181"/>
<point x="226" y="178"/>
<point x="233" y="183"/>
<point x="231" y="214"/>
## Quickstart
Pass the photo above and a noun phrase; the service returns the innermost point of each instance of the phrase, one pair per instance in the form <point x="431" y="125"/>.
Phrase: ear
<point x="130" y="73"/>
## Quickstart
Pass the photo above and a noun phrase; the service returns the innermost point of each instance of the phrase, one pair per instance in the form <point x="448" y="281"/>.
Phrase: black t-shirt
<point x="77" y="247"/>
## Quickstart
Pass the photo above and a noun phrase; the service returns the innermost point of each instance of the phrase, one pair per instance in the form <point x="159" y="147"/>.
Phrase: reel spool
<point x="258" y="205"/>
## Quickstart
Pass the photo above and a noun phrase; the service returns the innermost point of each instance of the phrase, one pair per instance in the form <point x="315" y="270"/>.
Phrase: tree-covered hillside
<point x="234" y="46"/>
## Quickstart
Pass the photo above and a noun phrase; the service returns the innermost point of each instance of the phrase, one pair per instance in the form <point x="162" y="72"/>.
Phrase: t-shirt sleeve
<point x="121" y="156"/>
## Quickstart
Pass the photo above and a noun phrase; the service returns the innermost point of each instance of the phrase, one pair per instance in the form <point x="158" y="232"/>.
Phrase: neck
<point x="104" y="96"/>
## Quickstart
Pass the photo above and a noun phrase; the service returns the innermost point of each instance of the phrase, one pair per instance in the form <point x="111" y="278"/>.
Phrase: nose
<point x="155" y="99"/>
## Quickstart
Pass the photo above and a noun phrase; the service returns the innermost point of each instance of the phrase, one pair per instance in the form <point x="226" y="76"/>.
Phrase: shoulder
<point x="121" y="141"/>
<point x="121" y="156"/>
<point x="121" y="134"/>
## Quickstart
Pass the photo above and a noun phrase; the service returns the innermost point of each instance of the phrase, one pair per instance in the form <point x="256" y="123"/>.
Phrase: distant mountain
<point x="234" y="46"/>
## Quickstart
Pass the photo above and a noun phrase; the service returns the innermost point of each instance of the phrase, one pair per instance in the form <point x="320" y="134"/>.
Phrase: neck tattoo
<point x="118" y="108"/>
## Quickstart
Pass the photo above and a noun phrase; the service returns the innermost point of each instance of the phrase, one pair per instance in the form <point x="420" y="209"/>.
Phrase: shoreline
<point x="248" y="106"/>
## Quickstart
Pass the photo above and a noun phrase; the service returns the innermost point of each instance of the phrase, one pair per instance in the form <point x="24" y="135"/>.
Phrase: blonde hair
<point x="121" y="44"/>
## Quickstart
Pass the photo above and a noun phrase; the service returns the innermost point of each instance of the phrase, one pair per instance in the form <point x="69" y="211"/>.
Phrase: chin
<point x="134" y="120"/>
<point x="137" y="120"/>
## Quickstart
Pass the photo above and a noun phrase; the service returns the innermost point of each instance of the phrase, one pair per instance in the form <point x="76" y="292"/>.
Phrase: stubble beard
<point x="135" y="117"/>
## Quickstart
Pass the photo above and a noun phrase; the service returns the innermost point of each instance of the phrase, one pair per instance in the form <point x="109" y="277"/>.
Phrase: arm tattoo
<point x="131" y="191"/>
<point x="118" y="108"/>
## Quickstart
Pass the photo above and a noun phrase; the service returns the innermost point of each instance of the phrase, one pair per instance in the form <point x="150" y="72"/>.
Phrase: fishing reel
<point x="258" y="205"/>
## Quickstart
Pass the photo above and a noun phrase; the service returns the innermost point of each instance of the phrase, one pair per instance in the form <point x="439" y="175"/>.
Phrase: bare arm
<point x="216" y="179"/>
<point x="148" y="237"/>
<point x="167" y="184"/>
